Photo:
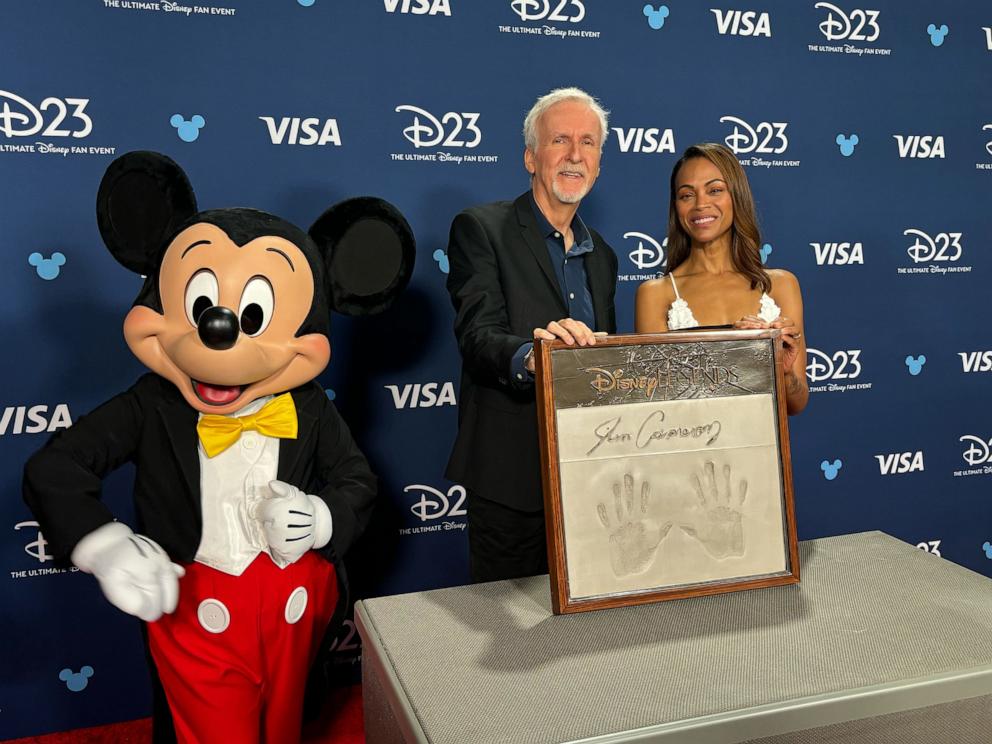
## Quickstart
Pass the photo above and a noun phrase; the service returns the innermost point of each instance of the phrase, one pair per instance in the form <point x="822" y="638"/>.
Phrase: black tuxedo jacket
<point x="503" y="286"/>
<point x="153" y="426"/>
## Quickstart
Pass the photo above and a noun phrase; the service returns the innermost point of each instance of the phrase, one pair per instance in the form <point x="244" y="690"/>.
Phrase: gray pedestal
<point x="881" y="642"/>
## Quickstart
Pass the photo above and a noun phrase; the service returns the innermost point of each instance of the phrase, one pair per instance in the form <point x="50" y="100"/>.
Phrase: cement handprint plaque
<point x="666" y="467"/>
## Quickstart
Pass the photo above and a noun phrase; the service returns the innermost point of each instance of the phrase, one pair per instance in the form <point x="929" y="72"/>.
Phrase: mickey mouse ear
<point x="369" y="252"/>
<point x="143" y="198"/>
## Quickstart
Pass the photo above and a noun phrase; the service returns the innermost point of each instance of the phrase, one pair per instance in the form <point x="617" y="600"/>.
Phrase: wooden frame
<point x="706" y="419"/>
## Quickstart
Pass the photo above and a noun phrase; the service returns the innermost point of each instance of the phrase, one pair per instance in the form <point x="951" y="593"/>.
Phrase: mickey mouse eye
<point x="257" y="303"/>
<point x="201" y="294"/>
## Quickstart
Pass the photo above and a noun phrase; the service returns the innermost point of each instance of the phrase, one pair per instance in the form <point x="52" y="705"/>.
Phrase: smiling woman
<point x="715" y="274"/>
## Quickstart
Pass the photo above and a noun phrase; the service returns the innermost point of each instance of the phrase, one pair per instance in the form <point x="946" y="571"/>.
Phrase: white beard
<point x="568" y="198"/>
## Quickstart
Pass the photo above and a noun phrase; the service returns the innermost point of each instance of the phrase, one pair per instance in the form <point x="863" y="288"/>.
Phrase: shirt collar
<point x="580" y="234"/>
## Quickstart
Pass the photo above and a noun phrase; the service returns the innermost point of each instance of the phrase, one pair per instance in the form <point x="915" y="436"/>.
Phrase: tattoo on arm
<point x="793" y="384"/>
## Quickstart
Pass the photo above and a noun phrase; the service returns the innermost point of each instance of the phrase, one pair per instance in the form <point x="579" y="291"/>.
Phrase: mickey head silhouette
<point x="830" y="469"/>
<point x="188" y="130"/>
<point x="47" y="268"/>
<point x="442" y="260"/>
<point x="656" y="18"/>
<point x="937" y="34"/>
<point x="76" y="681"/>
<point x="915" y="366"/>
<point x="847" y="144"/>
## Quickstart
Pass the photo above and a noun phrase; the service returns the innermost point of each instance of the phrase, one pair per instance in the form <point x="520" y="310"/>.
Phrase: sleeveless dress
<point x="680" y="314"/>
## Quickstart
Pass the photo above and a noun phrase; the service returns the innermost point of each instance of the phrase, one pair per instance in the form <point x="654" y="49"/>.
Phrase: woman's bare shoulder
<point x="658" y="288"/>
<point x="783" y="280"/>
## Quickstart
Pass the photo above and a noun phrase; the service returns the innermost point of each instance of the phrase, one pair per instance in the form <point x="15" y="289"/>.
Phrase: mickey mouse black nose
<point x="218" y="328"/>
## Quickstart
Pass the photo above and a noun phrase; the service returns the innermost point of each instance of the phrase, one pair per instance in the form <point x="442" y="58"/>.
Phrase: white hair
<point x="559" y="95"/>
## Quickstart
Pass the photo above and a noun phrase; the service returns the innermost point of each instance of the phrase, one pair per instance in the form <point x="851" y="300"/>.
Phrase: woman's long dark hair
<point x="745" y="241"/>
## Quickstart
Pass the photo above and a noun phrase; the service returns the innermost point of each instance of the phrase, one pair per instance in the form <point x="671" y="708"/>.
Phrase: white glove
<point x="293" y="522"/>
<point x="135" y="574"/>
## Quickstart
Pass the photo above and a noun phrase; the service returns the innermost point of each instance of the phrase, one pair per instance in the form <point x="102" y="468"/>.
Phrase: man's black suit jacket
<point x="503" y="286"/>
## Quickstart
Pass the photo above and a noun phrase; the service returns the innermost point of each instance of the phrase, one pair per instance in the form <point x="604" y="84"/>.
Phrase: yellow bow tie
<point x="276" y="419"/>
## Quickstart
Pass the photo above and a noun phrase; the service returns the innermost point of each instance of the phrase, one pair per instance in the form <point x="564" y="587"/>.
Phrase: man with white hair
<point x="524" y="270"/>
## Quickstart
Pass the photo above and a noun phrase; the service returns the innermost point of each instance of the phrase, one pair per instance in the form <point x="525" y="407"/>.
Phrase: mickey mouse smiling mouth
<point x="217" y="395"/>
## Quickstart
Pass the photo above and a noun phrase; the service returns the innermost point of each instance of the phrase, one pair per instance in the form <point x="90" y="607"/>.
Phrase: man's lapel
<point x="535" y="242"/>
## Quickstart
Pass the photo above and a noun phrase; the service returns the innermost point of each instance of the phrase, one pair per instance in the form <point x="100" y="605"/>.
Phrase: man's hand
<point x="135" y="574"/>
<point x="293" y="522"/>
<point x="568" y="330"/>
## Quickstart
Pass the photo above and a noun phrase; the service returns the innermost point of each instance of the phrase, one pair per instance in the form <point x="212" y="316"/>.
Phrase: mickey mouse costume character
<point x="248" y="485"/>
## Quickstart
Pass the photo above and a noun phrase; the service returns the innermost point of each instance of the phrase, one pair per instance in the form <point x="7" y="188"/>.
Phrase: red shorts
<point x="233" y="658"/>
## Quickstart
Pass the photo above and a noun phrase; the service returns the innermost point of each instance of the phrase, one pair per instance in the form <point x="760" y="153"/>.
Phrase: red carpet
<point x="340" y="723"/>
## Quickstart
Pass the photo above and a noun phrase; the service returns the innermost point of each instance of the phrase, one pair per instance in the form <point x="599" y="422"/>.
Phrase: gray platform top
<point x="490" y="663"/>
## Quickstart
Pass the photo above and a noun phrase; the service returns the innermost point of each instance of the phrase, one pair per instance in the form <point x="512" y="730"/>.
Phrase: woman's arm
<point x="654" y="297"/>
<point x="788" y="296"/>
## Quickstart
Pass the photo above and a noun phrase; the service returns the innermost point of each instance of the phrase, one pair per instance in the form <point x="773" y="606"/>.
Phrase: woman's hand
<point x="791" y="334"/>
<point x="790" y="341"/>
<point x="752" y="322"/>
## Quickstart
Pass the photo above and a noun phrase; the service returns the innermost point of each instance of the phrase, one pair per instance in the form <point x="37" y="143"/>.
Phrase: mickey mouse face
<point x="227" y="331"/>
<point x="236" y="302"/>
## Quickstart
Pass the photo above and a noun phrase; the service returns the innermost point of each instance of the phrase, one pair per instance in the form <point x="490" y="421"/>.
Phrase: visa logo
<point x="38" y="420"/>
<point x="426" y="395"/>
<point x="917" y="146"/>
<point x="900" y="462"/>
<point x="296" y="131"/>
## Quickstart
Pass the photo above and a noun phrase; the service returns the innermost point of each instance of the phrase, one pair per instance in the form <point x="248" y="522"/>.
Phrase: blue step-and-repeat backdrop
<point x="864" y="126"/>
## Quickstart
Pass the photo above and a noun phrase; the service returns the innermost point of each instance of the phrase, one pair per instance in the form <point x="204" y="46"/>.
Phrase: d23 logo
<point x="570" y="11"/>
<point x="429" y="131"/>
<point x="347" y="642"/>
<point x="944" y="247"/>
<point x="841" y="365"/>
<point x="648" y="254"/>
<point x="858" y="25"/>
<point x="23" y="119"/>
<point x="38" y="548"/>
<point x="977" y="451"/>
<point x="435" y="504"/>
<point x="988" y="145"/>
<point x="767" y="137"/>
<point x="931" y="546"/>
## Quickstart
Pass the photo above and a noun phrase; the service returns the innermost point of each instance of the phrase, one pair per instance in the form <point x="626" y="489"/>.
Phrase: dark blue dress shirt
<point x="570" y="270"/>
